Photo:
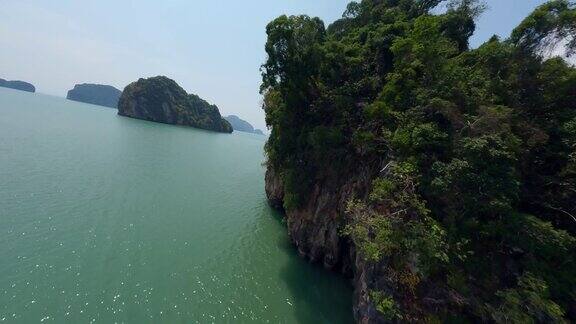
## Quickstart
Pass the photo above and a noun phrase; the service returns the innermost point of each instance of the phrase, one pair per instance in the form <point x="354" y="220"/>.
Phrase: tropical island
<point x="17" y="85"/>
<point x="442" y="179"/>
<point x="162" y="100"/>
<point x="96" y="94"/>
<point x="239" y="124"/>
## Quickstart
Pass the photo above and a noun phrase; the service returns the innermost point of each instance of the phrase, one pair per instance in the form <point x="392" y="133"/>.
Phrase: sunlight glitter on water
<point x="109" y="219"/>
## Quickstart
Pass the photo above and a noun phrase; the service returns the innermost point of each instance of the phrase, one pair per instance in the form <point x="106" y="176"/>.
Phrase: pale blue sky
<point x="213" y="48"/>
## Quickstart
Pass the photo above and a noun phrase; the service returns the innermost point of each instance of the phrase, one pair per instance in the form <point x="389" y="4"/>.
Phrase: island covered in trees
<point x="441" y="178"/>
<point x="161" y="99"/>
<point x="17" y="85"/>
<point x="241" y="125"/>
<point x="96" y="94"/>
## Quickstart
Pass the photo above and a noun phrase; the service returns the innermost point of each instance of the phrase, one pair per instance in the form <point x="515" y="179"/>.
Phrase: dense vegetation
<point x="96" y="94"/>
<point x="161" y="99"/>
<point x="471" y="211"/>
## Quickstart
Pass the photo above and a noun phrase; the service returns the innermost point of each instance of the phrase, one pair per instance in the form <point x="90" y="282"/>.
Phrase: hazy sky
<point x="213" y="48"/>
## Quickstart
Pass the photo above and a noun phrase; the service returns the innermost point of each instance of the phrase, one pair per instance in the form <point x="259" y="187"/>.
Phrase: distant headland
<point x="241" y="125"/>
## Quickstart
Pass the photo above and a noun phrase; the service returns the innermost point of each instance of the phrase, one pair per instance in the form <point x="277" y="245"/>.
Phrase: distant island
<point x="162" y="100"/>
<point x="241" y="125"/>
<point x="96" y="94"/>
<point x="17" y="85"/>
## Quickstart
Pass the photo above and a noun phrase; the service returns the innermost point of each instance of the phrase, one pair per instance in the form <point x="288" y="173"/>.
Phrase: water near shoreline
<point x="109" y="219"/>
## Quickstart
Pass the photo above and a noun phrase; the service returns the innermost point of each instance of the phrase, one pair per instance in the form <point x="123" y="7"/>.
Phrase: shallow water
<point x="109" y="219"/>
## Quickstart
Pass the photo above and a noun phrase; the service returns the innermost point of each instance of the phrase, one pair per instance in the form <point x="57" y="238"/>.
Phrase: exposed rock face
<point x="274" y="188"/>
<point x="241" y="125"/>
<point x="17" y="85"/>
<point x="96" y="94"/>
<point x="162" y="100"/>
<point x="315" y="231"/>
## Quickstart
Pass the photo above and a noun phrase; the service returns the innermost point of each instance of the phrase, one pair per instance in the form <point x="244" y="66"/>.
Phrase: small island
<point x="17" y="85"/>
<point x="162" y="100"/>
<point x="241" y="125"/>
<point x="96" y="94"/>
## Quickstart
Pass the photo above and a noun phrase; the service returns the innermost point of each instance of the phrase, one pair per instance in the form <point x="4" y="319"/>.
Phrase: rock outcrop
<point x="241" y="125"/>
<point x="96" y="94"/>
<point x="162" y="100"/>
<point x="17" y="85"/>
<point x="315" y="230"/>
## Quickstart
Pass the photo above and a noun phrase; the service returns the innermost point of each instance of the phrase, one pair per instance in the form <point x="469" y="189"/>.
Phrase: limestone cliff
<point x="441" y="178"/>
<point x="315" y="229"/>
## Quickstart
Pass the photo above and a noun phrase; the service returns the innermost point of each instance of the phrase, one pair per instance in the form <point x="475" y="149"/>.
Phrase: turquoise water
<point x="109" y="219"/>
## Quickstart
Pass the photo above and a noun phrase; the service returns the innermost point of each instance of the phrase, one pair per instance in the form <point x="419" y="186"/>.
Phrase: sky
<point x="211" y="48"/>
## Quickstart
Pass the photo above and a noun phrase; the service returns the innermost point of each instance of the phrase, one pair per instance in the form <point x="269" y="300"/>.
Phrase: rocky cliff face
<point x="315" y="230"/>
<point x="96" y="94"/>
<point x="161" y="99"/>
<point x="17" y="85"/>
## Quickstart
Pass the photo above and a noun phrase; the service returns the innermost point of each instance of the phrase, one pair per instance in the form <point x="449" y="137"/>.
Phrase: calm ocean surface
<point x="109" y="219"/>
